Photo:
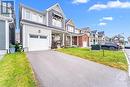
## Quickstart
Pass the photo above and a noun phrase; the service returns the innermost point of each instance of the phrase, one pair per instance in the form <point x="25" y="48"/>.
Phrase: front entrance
<point x="56" y="41"/>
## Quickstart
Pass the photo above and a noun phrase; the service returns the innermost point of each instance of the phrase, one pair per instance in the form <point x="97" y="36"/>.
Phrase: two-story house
<point x="42" y="30"/>
<point x="75" y="36"/>
<point x="7" y="25"/>
<point x="72" y="35"/>
<point x="118" y="39"/>
<point x="84" y="39"/>
<point x="94" y="37"/>
<point x="101" y="37"/>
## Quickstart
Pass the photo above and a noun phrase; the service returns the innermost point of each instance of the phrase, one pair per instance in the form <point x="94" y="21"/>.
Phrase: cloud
<point x="109" y="5"/>
<point x="102" y="24"/>
<point x="107" y="18"/>
<point x="79" y="1"/>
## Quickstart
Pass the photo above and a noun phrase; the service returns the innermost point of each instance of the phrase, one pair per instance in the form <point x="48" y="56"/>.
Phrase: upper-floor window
<point x="56" y="20"/>
<point x="70" y="29"/>
<point x="28" y="15"/>
<point x="40" y="18"/>
<point x="77" y="31"/>
<point x="4" y="7"/>
<point x="94" y="35"/>
<point x="9" y="8"/>
<point x="34" y="17"/>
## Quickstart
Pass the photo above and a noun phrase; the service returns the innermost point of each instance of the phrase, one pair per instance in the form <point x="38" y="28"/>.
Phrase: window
<point x="43" y="37"/>
<point x="40" y="19"/>
<point x="70" y="29"/>
<point x="57" y="20"/>
<point x="77" y="31"/>
<point x="4" y="8"/>
<point x="9" y="8"/>
<point x="34" y="17"/>
<point x="33" y="36"/>
<point x="28" y="15"/>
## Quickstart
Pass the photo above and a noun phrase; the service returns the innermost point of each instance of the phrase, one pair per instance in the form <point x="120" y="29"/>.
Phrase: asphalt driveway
<point x="55" y="69"/>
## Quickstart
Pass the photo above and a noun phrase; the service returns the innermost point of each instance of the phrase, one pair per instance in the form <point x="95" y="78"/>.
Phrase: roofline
<point x="30" y="8"/>
<point x="48" y="9"/>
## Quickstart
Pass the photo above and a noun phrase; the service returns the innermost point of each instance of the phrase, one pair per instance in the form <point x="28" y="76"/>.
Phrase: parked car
<point x="127" y="46"/>
<point x="95" y="47"/>
<point x="110" y="46"/>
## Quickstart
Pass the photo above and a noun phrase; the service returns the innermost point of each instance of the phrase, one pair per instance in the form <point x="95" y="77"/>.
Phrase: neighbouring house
<point x="119" y="39"/>
<point x="7" y="26"/>
<point x="85" y="38"/>
<point x="94" y="37"/>
<point x="75" y="36"/>
<point x="72" y="35"/>
<point x="101" y="37"/>
<point x="107" y="39"/>
<point x="128" y="40"/>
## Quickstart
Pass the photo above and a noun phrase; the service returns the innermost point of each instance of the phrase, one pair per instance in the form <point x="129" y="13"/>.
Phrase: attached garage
<point x="38" y="42"/>
<point x="36" y="38"/>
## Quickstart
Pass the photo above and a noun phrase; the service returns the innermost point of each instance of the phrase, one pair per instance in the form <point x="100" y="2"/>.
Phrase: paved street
<point x="128" y="53"/>
<point x="55" y="69"/>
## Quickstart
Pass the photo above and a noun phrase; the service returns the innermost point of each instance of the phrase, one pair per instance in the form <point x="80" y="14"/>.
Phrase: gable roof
<point x="57" y="4"/>
<point x="70" y="21"/>
<point x="101" y="33"/>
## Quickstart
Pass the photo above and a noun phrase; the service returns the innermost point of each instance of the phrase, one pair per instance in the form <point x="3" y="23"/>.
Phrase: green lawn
<point x="15" y="71"/>
<point x="114" y="59"/>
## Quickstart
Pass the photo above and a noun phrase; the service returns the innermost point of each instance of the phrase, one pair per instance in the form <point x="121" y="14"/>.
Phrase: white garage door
<point x="38" y="42"/>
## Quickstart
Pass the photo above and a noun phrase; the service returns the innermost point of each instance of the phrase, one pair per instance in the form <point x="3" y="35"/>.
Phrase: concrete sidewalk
<point x="55" y="69"/>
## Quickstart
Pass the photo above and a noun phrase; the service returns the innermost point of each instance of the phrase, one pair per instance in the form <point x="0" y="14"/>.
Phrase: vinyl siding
<point x="2" y="35"/>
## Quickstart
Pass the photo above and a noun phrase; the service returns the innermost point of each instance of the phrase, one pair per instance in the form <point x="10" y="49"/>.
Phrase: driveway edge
<point x="33" y="72"/>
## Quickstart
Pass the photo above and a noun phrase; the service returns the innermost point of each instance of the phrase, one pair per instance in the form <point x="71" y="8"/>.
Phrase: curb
<point x="126" y="55"/>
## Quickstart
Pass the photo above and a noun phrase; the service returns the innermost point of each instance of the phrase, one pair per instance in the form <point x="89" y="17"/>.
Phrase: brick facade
<point x="83" y="38"/>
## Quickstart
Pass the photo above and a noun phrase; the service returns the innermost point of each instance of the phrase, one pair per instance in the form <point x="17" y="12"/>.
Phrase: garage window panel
<point x="43" y="37"/>
<point x="33" y="36"/>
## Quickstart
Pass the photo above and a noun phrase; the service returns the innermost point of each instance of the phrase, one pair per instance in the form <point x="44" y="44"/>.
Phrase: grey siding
<point x="50" y="19"/>
<point x="2" y="35"/>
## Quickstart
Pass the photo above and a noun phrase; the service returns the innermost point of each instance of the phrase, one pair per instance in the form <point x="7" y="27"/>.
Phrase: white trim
<point x="49" y="28"/>
<point x="57" y="4"/>
<point x="77" y="41"/>
<point x="71" y="40"/>
<point x="50" y="39"/>
<point x="7" y="35"/>
<point x="63" y="39"/>
<point x="5" y="18"/>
